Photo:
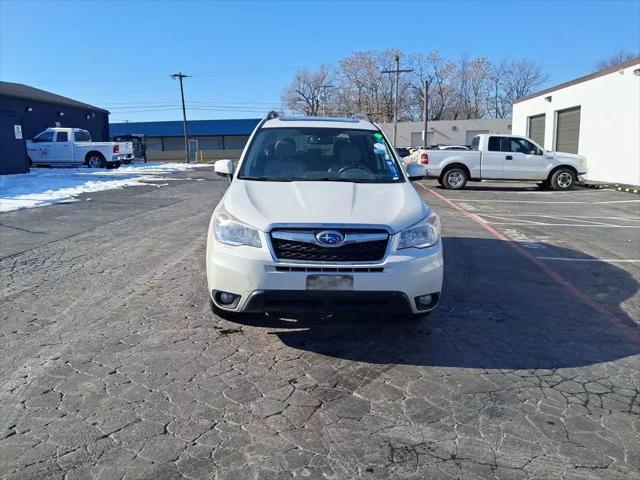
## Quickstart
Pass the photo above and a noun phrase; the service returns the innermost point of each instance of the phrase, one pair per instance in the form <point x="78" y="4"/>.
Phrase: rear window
<point x="82" y="136"/>
<point x="494" y="144"/>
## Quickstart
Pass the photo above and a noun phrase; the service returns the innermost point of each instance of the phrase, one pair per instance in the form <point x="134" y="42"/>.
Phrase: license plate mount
<point x="329" y="282"/>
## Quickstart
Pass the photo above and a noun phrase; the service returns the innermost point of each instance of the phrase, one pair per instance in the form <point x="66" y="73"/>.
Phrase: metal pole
<point x="425" y="113"/>
<point x="395" y="103"/>
<point x="397" y="71"/>
<point x="180" y="76"/>
<point x="323" y="96"/>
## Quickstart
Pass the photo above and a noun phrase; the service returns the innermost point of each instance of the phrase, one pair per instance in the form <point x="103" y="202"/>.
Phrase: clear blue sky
<point x="241" y="54"/>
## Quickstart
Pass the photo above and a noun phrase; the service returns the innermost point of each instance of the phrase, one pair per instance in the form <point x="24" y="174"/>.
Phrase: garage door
<point x="472" y="133"/>
<point x="416" y="139"/>
<point x="568" y="130"/>
<point x="536" y="129"/>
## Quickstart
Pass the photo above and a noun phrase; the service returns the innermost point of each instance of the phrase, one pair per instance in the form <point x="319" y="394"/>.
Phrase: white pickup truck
<point x="73" y="146"/>
<point x="501" y="157"/>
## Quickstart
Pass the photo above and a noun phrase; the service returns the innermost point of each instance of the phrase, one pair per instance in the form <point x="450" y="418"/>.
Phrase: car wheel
<point x="95" y="161"/>
<point x="563" y="179"/>
<point x="454" y="179"/>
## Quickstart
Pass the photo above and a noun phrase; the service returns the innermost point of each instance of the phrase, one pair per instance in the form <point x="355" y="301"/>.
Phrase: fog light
<point x="426" y="302"/>
<point x="226" y="299"/>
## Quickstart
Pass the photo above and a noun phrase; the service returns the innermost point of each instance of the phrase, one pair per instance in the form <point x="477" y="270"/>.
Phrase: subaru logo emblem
<point x="330" y="238"/>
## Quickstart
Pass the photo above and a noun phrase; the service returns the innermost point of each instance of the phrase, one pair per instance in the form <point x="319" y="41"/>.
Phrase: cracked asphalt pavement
<point x="113" y="366"/>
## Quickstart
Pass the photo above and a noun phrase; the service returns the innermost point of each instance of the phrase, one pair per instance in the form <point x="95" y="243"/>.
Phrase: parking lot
<point x="113" y="365"/>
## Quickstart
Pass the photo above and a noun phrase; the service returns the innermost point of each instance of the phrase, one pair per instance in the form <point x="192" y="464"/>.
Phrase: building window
<point x="236" y="142"/>
<point x="153" y="144"/>
<point x="173" y="144"/>
<point x="210" y="143"/>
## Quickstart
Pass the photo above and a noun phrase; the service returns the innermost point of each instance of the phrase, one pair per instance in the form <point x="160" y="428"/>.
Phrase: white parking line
<point x="608" y="260"/>
<point x="509" y="218"/>
<point x="571" y="217"/>
<point x="562" y="224"/>
<point x="533" y="201"/>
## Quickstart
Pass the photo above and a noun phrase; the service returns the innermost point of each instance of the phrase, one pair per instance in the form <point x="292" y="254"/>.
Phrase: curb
<point x="612" y="186"/>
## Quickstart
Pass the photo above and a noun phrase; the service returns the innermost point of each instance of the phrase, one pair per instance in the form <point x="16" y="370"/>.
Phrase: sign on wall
<point x="17" y="130"/>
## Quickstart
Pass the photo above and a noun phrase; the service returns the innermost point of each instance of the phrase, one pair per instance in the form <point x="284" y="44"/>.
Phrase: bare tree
<point x="497" y="105"/>
<point x="469" y="88"/>
<point x="615" y="59"/>
<point x="440" y="74"/>
<point x="307" y="91"/>
<point x="521" y="78"/>
<point x="472" y="88"/>
<point x="363" y="88"/>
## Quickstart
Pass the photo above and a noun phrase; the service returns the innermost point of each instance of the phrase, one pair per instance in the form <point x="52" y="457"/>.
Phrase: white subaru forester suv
<point x="320" y="216"/>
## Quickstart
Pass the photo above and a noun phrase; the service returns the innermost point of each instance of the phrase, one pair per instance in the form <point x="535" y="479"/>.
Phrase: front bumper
<point x="265" y="284"/>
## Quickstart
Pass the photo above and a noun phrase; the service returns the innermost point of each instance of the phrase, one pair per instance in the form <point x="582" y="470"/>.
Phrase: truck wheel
<point x="95" y="161"/>
<point x="454" y="179"/>
<point x="563" y="179"/>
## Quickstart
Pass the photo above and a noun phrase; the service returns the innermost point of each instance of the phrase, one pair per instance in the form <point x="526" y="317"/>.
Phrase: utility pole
<point x="323" y="96"/>
<point x="180" y="76"/>
<point x="425" y="113"/>
<point x="397" y="71"/>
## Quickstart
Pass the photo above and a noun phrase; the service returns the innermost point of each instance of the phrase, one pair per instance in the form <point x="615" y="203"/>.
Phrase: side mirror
<point x="416" y="171"/>
<point x="224" y="168"/>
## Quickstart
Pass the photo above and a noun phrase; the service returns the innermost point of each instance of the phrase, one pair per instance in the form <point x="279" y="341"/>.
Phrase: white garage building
<point x="445" y="132"/>
<point x="597" y="116"/>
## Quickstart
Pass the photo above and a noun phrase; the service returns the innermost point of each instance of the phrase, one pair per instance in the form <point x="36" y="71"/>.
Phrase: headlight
<point x="423" y="234"/>
<point x="228" y="229"/>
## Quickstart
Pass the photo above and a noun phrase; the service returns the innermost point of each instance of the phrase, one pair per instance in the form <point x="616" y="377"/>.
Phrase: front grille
<point x="367" y="251"/>
<point x="331" y="270"/>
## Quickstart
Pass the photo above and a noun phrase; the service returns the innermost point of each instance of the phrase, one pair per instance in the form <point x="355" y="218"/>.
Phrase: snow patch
<point x="44" y="186"/>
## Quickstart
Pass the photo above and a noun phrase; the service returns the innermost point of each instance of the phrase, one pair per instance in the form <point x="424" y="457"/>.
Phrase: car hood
<point x="394" y="206"/>
<point x="568" y="156"/>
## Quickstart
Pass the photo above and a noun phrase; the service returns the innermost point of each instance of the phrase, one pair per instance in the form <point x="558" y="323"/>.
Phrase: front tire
<point x="95" y="160"/>
<point x="455" y="178"/>
<point x="563" y="179"/>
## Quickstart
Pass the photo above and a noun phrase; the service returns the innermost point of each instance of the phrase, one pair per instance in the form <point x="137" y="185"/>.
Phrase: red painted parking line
<point x="631" y="332"/>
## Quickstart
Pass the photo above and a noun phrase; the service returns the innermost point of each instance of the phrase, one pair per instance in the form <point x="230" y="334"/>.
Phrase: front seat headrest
<point x="285" y="148"/>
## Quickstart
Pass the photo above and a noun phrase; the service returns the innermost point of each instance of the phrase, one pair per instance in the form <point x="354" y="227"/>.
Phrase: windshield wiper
<point x="266" y="179"/>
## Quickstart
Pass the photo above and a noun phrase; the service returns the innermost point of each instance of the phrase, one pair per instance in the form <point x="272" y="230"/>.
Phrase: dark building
<point x="26" y="111"/>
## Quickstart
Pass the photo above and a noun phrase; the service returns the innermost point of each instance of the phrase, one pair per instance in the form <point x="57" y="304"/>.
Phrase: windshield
<point x="320" y="154"/>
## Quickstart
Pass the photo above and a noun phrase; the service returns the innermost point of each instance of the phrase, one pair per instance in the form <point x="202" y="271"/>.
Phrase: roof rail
<point x="272" y="114"/>
<point x="362" y="116"/>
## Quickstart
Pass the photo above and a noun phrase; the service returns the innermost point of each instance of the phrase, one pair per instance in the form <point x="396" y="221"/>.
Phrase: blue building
<point x="169" y="136"/>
